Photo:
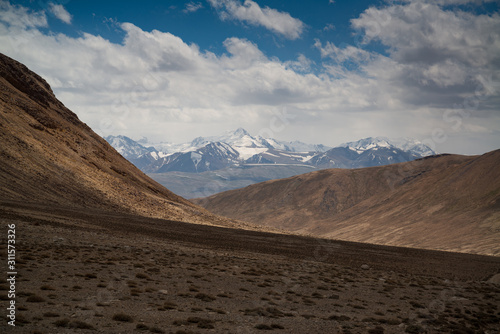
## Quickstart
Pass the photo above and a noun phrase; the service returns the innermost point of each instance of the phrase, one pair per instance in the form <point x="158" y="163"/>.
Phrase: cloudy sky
<point x="320" y="71"/>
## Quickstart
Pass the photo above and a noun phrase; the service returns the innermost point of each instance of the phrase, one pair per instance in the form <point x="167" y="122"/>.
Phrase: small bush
<point x="80" y="324"/>
<point x="204" y="297"/>
<point x="35" y="299"/>
<point x="416" y="305"/>
<point x="339" y="318"/>
<point x="122" y="317"/>
<point x="50" y="315"/>
<point x="46" y="287"/>
<point x="142" y="276"/>
<point x="169" y="306"/>
<point x="264" y="327"/>
<point x="61" y="323"/>
<point x="376" y="330"/>
<point x="141" y="327"/>
<point x="180" y="323"/>
<point x="414" y="329"/>
<point x="156" y="330"/>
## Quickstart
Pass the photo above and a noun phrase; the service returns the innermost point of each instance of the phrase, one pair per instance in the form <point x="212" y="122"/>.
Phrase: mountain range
<point x="239" y="147"/>
<point x="207" y="165"/>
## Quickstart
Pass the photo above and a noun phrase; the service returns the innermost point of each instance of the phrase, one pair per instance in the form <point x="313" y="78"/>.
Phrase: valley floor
<point x="94" y="271"/>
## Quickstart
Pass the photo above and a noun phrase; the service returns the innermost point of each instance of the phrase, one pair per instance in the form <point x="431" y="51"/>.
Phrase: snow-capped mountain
<point x="241" y="148"/>
<point x="369" y="152"/>
<point x="245" y="144"/>
<point x="298" y="146"/>
<point x="413" y="145"/>
<point x="127" y="147"/>
<point x="409" y="145"/>
<point x="141" y="156"/>
<point x="212" y="156"/>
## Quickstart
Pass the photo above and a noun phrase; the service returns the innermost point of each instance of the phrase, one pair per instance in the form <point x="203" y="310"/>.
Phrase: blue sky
<point x="318" y="71"/>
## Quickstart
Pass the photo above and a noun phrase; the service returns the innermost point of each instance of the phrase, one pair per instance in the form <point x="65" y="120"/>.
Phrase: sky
<point x="322" y="71"/>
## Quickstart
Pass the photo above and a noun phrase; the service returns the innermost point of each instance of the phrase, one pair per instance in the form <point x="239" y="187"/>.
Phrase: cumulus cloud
<point x="442" y="65"/>
<point x="250" y="12"/>
<point x="428" y="34"/>
<point x="60" y="12"/>
<point x="434" y="50"/>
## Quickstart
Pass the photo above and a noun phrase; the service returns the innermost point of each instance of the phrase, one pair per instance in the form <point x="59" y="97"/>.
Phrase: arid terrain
<point x="100" y="247"/>
<point x="446" y="202"/>
<point x="98" y="271"/>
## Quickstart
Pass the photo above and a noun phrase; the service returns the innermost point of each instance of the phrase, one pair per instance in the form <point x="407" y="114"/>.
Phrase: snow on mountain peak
<point x="128" y="147"/>
<point x="235" y="147"/>
<point x="241" y="132"/>
<point x="405" y="144"/>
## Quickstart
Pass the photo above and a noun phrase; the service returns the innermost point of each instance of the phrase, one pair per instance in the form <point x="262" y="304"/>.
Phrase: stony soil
<point x="97" y="271"/>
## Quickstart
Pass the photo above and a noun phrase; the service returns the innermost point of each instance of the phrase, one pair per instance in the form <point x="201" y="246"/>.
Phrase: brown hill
<point x="47" y="155"/>
<point x="446" y="202"/>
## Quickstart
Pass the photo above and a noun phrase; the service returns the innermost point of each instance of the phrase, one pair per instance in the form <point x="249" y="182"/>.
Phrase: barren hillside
<point x="446" y="202"/>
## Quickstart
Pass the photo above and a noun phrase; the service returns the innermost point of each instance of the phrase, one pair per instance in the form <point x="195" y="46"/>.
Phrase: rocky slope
<point x="446" y="202"/>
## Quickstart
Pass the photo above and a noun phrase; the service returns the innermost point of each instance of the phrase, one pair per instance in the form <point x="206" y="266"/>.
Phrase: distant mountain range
<point x="235" y="159"/>
<point x="240" y="148"/>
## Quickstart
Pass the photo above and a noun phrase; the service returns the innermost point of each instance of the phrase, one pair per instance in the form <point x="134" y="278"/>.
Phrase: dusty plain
<point x="97" y="271"/>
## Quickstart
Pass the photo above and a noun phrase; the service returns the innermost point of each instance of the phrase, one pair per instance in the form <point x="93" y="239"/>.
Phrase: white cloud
<point x="192" y="7"/>
<point x="329" y="27"/>
<point x="301" y="65"/>
<point x="60" y="12"/>
<point x="340" y="55"/>
<point x="439" y="54"/>
<point x="250" y="12"/>
<point x="451" y="2"/>
<point x="20" y="17"/>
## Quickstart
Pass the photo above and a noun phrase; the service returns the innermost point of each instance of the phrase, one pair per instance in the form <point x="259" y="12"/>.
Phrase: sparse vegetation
<point x="35" y="299"/>
<point x="122" y="317"/>
<point x="205" y="297"/>
<point x="141" y="327"/>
